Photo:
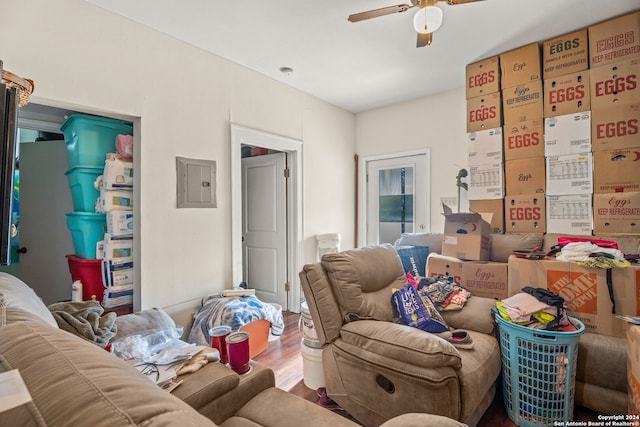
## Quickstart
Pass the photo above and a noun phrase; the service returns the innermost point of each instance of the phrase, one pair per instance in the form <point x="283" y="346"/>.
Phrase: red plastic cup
<point x="238" y="349"/>
<point x="218" y="337"/>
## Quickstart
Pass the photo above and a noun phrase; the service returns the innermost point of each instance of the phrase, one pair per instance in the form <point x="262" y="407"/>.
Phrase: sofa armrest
<point x="401" y="344"/>
<point x="227" y="404"/>
<point x="475" y="315"/>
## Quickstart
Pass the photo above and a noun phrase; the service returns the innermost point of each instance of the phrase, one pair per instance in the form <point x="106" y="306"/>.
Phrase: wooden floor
<point x="283" y="356"/>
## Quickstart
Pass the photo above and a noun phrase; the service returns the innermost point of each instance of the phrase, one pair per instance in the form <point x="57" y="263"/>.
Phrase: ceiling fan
<point x="427" y="20"/>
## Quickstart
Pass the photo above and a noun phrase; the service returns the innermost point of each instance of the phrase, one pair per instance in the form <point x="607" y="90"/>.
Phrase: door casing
<point x="363" y="189"/>
<point x="241" y="135"/>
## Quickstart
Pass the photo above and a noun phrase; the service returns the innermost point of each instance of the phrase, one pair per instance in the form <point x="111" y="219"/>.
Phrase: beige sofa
<point x="377" y="369"/>
<point x="73" y="382"/>
<point x="601" y="376"/>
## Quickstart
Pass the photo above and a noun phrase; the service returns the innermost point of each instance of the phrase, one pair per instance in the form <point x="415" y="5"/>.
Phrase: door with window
<point x="397" y="195"/>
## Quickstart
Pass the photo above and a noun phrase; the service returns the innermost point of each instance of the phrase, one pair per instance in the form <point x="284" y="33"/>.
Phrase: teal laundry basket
<point x="538" y="373"/>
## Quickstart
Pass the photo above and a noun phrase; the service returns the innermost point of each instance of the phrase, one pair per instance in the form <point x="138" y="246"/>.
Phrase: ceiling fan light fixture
<point x="427" y="19"/>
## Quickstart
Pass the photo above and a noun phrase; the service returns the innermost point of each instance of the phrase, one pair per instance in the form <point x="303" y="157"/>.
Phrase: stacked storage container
<point x="116" y="201"/>
<point x="614" y="48"/>
<point x="88" y="140"/>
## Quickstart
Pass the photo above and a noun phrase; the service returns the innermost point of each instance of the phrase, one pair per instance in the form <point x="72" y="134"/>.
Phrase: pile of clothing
<point x="536" y="308"/>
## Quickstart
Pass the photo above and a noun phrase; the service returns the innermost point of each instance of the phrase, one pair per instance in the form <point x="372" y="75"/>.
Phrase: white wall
<point x="182" y="101"/>
<point x="437" y="122"/>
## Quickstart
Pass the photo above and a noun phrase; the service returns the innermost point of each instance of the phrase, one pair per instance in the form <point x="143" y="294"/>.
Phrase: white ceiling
<point x="368" y="64"/>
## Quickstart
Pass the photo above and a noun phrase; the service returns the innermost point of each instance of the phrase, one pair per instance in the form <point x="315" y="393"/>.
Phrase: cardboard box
<point x="633" y="368"/>
<point x="616" y="213"/>
<point x="567" y="134"/>
<point x="565" y="54"/>
<point x="444" y="266"/>
<point x="483" y="77"/>
<point x="486" y="182"/>
<point x="495" y="207"/>
<point x="614" y="40"/>
<point x="525" y="214"/>
<point x="521" y="65"/>
<point x="524" y="140"/>
<point x="525" y="176"/>
<point x="483" y="279"/>
<point x="569" y="93"/>
<point x="466" y="236"/>
<point x="523" y="102"/>
<point x="570" y="174"/>
<point x="572" y="214"/>
<point x="616" y="171"/>
<point x="584" y="289"/>
<point x="615" y="127"/>
<point x="615" y="84"/>
<point x="484" y="112"/>
<point x="485" y="147"/>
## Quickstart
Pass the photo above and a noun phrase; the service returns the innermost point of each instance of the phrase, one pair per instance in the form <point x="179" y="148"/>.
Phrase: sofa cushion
<point x="362" y="280"/>
<point x="503" y="245"/>
<point x="19" y="302"/>
<point x="73" y="382"/>
<point x="404" y="345"/>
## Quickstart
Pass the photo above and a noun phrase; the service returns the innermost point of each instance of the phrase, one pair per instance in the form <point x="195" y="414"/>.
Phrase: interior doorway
<point x="288" y="294"/>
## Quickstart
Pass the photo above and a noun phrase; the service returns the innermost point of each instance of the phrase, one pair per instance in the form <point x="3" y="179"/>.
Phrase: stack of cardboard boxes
<point x="553" y="137"/>
<point x="571" y="161"/>
<point x="615" y="101"/>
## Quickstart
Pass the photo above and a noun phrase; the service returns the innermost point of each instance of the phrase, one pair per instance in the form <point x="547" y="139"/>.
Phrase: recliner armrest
<point x="389" y="341"/>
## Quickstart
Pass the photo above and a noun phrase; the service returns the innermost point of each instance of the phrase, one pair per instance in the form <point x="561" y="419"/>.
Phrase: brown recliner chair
<point x="377" y="369"/>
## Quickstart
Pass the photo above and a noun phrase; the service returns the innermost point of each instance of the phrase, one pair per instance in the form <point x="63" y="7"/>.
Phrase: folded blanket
<point x="84" y="319"/>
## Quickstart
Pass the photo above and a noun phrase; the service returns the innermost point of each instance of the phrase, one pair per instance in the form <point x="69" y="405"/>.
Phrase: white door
<point x="45" y="199"/>
<point x="397" y="197"/>
<point x="264" y="226"/>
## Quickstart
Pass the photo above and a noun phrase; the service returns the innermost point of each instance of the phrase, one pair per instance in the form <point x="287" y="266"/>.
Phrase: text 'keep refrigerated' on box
<point x="614" y="40"/>
<point x="616" y="213"/>
<point x="565" y="54"/>
<point x="616" y="171"/>
<point x="481" y="278"/>
<point x="523" y="102"/>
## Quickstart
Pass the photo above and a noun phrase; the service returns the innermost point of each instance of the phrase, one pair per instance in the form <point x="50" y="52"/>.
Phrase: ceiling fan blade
<point x="424" y="39"/>
<point x="454" y="2"/>
<point x="378" y="12"/>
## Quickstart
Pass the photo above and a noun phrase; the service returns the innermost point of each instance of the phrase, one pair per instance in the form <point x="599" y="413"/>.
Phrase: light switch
<point x="196" y="183"/>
